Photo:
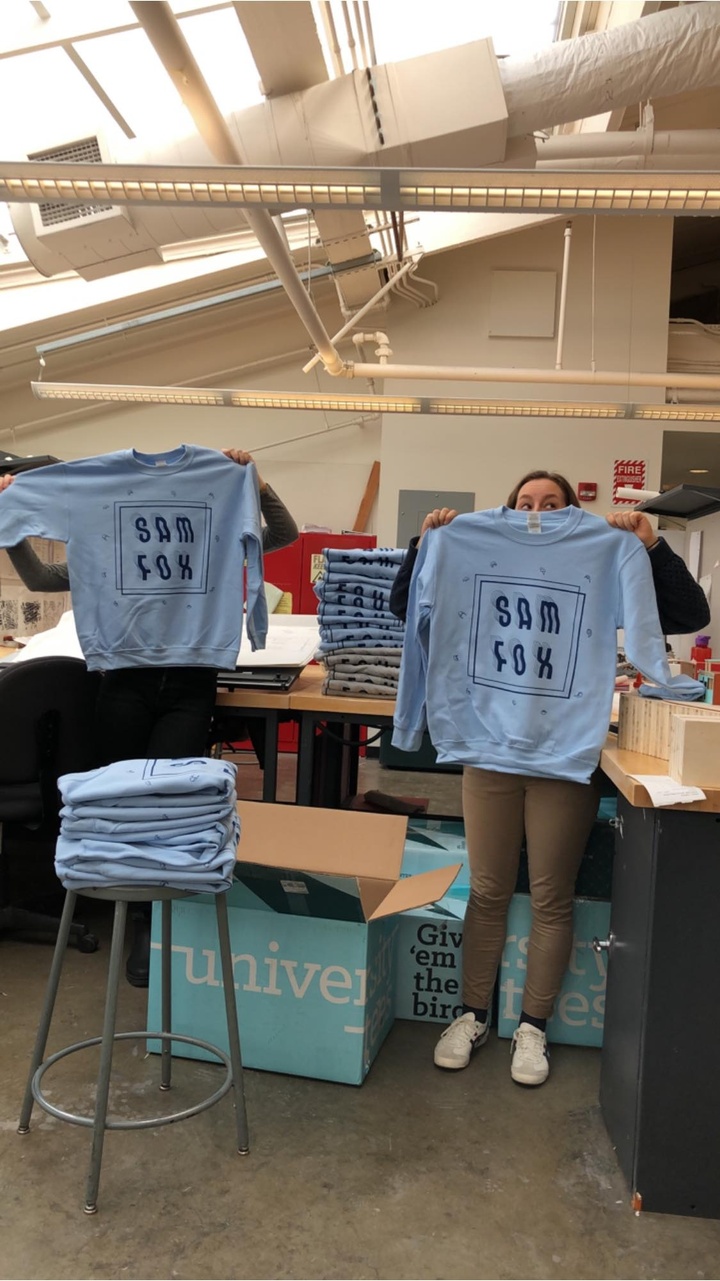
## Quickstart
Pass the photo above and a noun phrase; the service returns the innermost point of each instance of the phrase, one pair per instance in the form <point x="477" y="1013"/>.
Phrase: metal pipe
<point x="581" y="377"/>
<point x="354" y="422"/>
<point x="164" y="32"/>
<point x="362" y="311"/>
<point x="349" y="33"/>
<point x="331" y="35"/>
<point x="691" y="398"/>
<point x="361" y="34"/>
<point x="563" y="293"/>
<point x="643" y="141"/>
<point x="370" y="34"/>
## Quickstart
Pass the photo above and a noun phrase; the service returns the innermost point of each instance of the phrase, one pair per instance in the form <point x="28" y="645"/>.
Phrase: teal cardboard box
<point x="313" y="917"/>
<point x="579" y="1016"/>
<point x="428" y="940"/>
<point x="435" y="842"/>
<point x="428" y="951"/>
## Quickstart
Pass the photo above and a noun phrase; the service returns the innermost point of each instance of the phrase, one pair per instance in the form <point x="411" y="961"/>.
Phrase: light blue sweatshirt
<point x="511" y="642"/>
<point x="155" y="550"/>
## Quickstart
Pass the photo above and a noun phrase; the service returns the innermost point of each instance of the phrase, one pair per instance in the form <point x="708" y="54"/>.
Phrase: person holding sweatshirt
<point x="682" y="604"/>
<point x="279" y="531"/>
<point x="509" y="660"/>
<point x="149" y="705"/>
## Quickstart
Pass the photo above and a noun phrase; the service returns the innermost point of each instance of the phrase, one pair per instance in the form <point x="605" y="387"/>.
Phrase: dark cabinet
<point x="660" y="1075"/>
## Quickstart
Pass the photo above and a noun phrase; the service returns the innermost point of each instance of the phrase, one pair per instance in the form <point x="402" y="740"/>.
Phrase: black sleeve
<point x="682" y="604"/>
<point x="280" y="529"/>
<point x="401" y="587"/>
<point x="36" y="575"/>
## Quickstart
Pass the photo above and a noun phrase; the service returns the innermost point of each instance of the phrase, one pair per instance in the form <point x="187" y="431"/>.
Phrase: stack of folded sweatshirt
<point x="150" y="823"/>
<point x="360" y="639"/>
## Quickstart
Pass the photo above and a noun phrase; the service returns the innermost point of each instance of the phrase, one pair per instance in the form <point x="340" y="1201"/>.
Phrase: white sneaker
<point x="529" y="1064"/>
<point x="458" y="1042"/>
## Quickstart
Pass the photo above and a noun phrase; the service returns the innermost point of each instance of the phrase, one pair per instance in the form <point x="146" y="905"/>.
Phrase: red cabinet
<point x="296" y="568"/>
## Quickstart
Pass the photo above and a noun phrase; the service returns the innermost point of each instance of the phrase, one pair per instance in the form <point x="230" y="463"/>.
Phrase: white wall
<point x="632" y="274"/>
<point x="323" y="478"/>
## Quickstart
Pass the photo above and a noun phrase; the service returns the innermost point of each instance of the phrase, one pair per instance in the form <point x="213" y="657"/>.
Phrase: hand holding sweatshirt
<point x="511" y="642"/>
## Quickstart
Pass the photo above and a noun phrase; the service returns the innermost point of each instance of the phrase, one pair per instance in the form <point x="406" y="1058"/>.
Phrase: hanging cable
<point x="592" y="298"/>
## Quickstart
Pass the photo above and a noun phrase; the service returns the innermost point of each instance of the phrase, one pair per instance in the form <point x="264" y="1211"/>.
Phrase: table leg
<point x="306" y="752"/>
<point x="271" y="756"/>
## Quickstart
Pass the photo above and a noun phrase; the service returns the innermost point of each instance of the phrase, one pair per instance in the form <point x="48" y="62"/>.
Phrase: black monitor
<point x="15" y="463"/>
<point x="687" y="501"/>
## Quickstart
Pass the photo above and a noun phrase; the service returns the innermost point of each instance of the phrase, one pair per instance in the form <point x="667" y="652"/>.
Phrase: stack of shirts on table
<point x="150" y="823"/>
<point x="360" y="639"/>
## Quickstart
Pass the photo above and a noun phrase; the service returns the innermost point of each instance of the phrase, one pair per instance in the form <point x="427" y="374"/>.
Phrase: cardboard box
<point x="695" y="751"/>
<point x="428" y="941"/>
<point x="579" y="1017"/>
<point x="313" y="919"/>
<point x="644" y="723"/>
<point x="433" y="843"/>
<point x="428" y="950"/>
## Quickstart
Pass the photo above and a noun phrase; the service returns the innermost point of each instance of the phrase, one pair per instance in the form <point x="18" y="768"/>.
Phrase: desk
<point x="305" y="702"/>
<point x="311" y="706"/>
<point x="264" y="705"/>
<point x="658" y="1082"/>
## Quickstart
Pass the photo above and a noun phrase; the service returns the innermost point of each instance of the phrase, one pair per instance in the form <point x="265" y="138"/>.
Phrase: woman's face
<point x="540" y="496"/>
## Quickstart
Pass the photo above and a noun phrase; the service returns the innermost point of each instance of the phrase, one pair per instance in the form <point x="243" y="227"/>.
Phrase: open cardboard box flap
<point x="367" y="847"/>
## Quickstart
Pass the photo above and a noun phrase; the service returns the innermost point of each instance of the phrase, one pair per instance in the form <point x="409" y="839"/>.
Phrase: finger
<point x="450" y="515"/>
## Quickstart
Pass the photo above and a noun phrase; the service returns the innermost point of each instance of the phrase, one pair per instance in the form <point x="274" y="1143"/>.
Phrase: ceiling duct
<point x="453" y="108"/>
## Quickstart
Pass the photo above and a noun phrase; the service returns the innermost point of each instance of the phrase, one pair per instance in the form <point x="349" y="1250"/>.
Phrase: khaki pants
<point x="556" y="817"/>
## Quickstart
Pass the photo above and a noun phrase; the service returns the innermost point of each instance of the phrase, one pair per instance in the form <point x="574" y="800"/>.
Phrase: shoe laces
<point x="462" y="1030"/>
<point x="530" y="1042"/>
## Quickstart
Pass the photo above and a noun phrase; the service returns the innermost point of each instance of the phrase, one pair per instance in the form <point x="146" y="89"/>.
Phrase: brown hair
<point x="568" y="493"/>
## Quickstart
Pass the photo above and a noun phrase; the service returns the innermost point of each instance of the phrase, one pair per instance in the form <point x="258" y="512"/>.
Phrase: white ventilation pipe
<point x="674" y="51"/>
<point x="581" y="377"/>
<point x="639" y="142"/>
<point x="626" y="164"/>
<point x="563" y="294"/>
<point x="678" y="149"/>
<point x="165" y="35"/>
<point x="688" y="397"/>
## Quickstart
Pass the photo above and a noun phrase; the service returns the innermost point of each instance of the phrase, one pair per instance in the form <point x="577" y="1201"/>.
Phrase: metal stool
<point x="122" y="895"/>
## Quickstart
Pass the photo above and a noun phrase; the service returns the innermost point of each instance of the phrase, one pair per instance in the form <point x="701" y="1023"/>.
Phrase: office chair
<point x="46" y="729"/>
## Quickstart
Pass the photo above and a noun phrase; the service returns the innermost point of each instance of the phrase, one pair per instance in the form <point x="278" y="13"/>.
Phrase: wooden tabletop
<point x="306" y="696"/>
<point x="620" y="766"/>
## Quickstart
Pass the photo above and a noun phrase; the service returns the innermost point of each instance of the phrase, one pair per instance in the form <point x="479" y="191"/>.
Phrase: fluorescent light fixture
<point x="241" y="398"/>
<point x="282" y="188"/>
<point x="699" y="471"/>
<point x="678" y="413"/>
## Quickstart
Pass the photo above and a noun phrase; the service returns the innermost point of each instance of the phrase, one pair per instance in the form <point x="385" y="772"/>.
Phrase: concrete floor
<point x="417" y="1174"/>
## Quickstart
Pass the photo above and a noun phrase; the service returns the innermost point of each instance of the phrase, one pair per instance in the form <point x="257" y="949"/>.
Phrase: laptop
<point x="269" y="678"/>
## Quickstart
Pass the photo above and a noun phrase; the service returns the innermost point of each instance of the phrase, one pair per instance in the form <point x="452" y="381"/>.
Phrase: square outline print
<point x="163" y="588"/>
<point x="508" y="581"/>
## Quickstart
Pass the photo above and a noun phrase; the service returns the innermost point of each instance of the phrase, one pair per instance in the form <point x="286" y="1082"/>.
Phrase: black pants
<point x="148" y="712"/>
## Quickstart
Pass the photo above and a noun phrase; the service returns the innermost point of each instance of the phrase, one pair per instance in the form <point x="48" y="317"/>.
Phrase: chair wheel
<point x="88" y="943"/>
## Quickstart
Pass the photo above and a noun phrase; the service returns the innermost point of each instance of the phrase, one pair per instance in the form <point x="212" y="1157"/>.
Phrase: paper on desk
<point x="664" y="790"/>
<point x="292" y="640"/>
<point x="61" y="640"/>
